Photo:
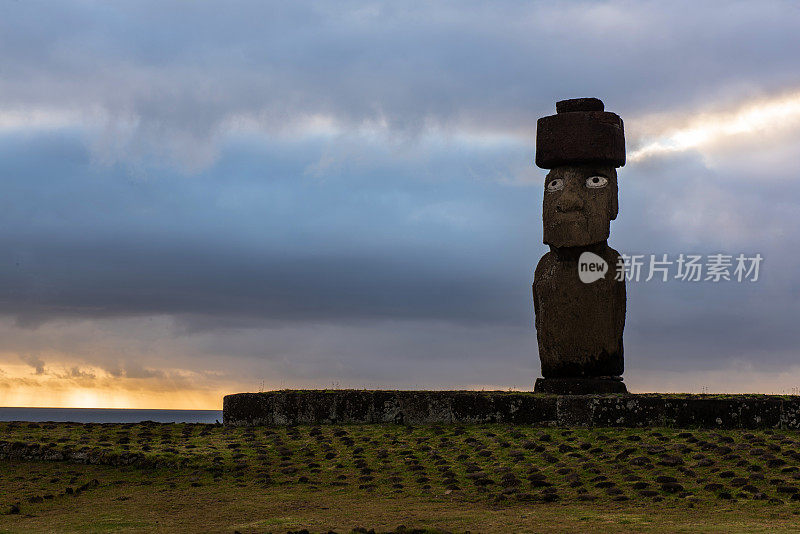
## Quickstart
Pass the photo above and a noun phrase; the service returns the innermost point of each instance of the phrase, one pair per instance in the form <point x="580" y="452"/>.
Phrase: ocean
<point x="109" y="415"/>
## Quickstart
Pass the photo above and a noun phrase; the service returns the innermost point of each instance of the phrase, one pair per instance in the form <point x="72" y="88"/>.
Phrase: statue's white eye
<point x="596" y="181"/>
<point x="555" y="184"/>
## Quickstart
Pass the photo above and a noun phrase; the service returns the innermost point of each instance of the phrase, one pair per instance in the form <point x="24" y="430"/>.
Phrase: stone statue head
<point x="580" y="201"/>
<point x="582" y="145"/>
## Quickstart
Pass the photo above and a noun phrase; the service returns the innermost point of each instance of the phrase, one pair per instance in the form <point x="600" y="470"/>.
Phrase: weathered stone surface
<point x="409" y="407"/>
<point x="628" y="411"/>
<point x="574" y="214"/>
<point x="578" y="386"/>
<point x="723" y="413"/>
<point x="578" y="326"/>
<point x="580" y="137"/>
<point x="473" y="407"/>
<point x="579" y="104"/>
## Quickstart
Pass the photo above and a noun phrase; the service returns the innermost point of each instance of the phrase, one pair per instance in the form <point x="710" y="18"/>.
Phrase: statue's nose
<point x="569" y="201"/>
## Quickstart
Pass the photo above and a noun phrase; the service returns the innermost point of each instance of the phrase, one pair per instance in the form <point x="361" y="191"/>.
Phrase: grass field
<point x="487" y="478"/>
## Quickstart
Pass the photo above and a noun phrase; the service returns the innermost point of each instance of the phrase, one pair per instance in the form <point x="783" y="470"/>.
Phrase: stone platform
<point x="579" y="386"/>
<point x="313" y="407"/>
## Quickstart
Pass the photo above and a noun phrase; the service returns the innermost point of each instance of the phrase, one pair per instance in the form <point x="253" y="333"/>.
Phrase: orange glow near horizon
<point x="82" y="398"/>
<point x="22" y="387"/>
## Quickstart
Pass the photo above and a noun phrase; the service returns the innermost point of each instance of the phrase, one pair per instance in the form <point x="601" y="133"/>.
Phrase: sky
<point x="199" y="199"/>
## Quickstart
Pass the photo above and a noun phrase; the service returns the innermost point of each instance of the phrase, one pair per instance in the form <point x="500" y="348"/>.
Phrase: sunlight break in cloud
<point x="707" y="129"/>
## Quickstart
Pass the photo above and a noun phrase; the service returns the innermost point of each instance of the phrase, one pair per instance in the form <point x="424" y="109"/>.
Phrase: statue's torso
<point x="578" y="325"/>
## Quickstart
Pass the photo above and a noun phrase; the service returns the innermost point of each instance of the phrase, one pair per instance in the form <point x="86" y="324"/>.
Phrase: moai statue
<point x="579" y="323"/>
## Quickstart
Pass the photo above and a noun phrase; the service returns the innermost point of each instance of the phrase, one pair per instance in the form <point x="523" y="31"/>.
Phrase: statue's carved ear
<point x="614" y="205"/>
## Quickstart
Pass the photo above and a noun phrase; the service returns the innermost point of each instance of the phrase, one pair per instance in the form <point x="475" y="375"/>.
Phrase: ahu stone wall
<point x="313" y="407"/>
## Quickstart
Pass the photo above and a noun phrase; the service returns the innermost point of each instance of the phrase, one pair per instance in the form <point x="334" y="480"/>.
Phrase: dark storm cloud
<point x="174" y="73"/>
<point x="253" y="237"/>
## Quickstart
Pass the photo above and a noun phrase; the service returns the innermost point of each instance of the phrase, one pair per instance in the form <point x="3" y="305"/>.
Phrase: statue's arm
<point x="537" y="276"/>
<point x="620" y="294"/>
